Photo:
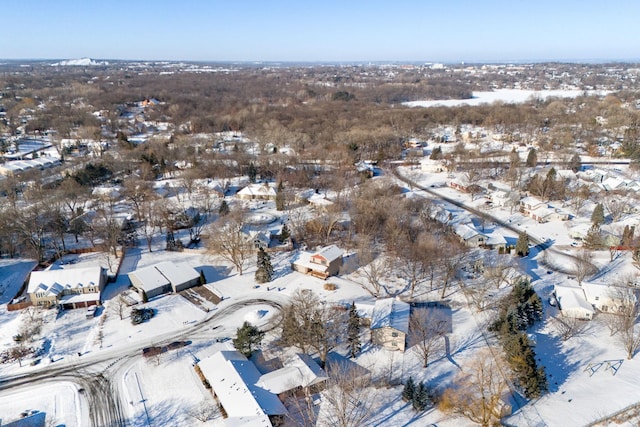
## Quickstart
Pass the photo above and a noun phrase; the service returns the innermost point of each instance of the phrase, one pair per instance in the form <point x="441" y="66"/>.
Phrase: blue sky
<point x="328" y="30"/>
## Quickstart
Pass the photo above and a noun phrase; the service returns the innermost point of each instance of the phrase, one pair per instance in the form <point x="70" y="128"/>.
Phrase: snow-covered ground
<point x="162" y="391"/>
<point x="514" y="96"/>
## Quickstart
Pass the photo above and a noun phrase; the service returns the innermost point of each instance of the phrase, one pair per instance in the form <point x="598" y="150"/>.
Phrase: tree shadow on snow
<point x="556" y="362"/>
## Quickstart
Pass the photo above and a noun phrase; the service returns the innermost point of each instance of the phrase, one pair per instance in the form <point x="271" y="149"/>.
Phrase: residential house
<point x="162" y="278"/>
<point x="258" y="191"/>
<point x="390" y="323"/>
<point x="432" y="166"/>
<point x="68" y="287"/>
<point x="496" y="241"/>
<point x="235" y="383"/>
<point x="540" y="211"/>
<point x="609" y="298"/>
<point x="300" y="373"/>
<point x="470" y="236"/>
<point x="324" y="263"/>
<point x="573" y="303"/>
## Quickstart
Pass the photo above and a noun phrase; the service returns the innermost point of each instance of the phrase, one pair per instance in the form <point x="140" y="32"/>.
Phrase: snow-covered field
<point x="514" y="96"/>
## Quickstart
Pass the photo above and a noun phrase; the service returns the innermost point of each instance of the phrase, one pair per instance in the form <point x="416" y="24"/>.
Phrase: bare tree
<point x="228" y="240"/>
<point x="374" y="267"/>
<point x="427" y="328"/>
<point x="569" y="327"/>
<point x="350" y="400"/>
<point x="478" y="390"/>
<point x="204" y="411"/>
<point x="582" y="266"/>
<point x="119" y="306"/>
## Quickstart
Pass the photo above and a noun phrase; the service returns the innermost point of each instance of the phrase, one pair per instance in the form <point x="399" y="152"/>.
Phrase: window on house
<point x="394" y="334"/>
<point x="394" y="343"/>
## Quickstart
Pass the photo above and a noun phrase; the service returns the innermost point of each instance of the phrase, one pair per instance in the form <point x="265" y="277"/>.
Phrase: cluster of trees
<point x="417" y="394"/>
<point x="311" y="325"/>
<point x="518" y="311"/>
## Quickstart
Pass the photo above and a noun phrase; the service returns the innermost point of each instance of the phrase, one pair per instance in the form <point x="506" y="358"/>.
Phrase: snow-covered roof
<point x="78" y="298"/>
<point x="391" y="312"/>
<point x="234" y="379"/>
<point x="571" y="298"/>
<point x="330" y="253"/>
<point x="177" y="274"/>
<point x="53" y="282"/>
<point x="302" y="371"/>
<point x="149" y="278"/>
<point x="598" y="291"/>
<point x="532" y="201"/>
<point x="258" y="190"/>
<point x="466" y="232"/>
<point x="496" y="239"/>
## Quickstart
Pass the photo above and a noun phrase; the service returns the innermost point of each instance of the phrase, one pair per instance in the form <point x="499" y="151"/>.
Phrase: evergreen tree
<point x="522" y="245"/>
<point x="284" y="234"/>
<point x="248" y="339"/>
<point x="353" y="331"/>
<point x="408" y="390"/>
<point x="597" y="217"/>
<point x="532" y="158"/>
<point x="593" y="239"/>
<point x="171" y="241"/>
<point x="264" y="272"/>
<point x="420" y="399"/>
<point x="252" y="172"/>
<point x="280" y="197"/>
<point x="436" y="153"/>
<point x="224" y="208"/>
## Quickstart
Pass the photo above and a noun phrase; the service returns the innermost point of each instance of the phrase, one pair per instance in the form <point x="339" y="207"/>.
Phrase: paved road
<point x="93" y="373"/>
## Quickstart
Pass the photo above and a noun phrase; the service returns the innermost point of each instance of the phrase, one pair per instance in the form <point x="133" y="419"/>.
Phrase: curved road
<point x="105" y="406"/>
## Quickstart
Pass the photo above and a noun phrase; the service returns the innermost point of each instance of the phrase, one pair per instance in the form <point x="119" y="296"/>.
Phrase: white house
<point x="258" y="191"/>
<point x="609" y="298"/>
<point x="390" y="323"/>
<point x="573" y="303"/>
<point x="163" y="277"/>
<point x="470" y="236"/>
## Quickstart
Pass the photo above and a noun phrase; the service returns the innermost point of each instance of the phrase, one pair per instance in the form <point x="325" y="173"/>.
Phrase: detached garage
<point x="163" y="278"/>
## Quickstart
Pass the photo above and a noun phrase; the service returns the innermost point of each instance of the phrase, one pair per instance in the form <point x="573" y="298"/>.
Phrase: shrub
<point x="330" y="286"/>
<point x="139" y="315"/>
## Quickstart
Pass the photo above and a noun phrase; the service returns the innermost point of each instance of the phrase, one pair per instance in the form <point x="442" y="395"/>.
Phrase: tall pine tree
<point x="353" y="331"/>
<point x="408" y="390"/>
<point x="522" y="245"/>
<point x="420" y="399"/>
<point x="264" y="272"/>
<point x="248" y="339"/>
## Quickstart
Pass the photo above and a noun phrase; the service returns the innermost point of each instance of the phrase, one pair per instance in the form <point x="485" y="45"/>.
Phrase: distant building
<point x="390" y="323"/>
<point x="609" y="298"/>
<point x="162" y="278"/>
<point x="324" y="263"/>
<point x="68" y="287"/>
<point x="257" y="191"/>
